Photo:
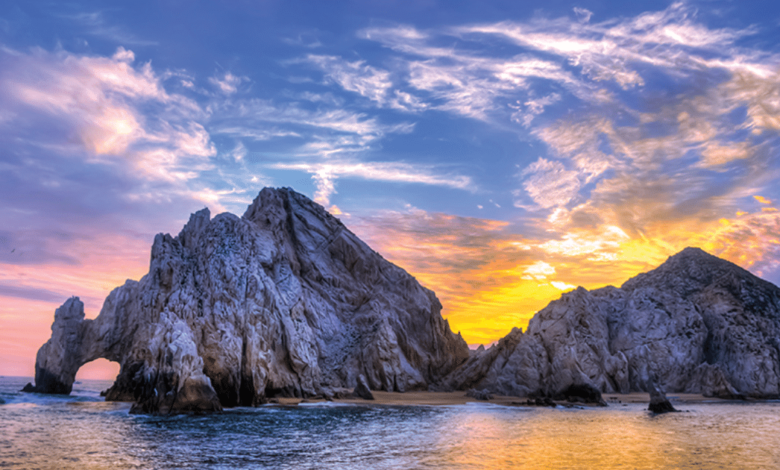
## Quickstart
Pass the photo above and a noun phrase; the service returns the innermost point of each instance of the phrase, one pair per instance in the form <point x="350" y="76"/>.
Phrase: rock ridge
<point x="283" y="301"/>
<point x="695" y="324"/>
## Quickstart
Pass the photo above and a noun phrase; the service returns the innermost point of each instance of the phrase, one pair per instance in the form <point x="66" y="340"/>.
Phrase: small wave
<point x="326" y="404"/>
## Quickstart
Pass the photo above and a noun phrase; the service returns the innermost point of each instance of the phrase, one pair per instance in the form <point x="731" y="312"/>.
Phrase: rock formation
<point x="284" y="301"/>
<point x="697" y="323"/>
<point x="362" y="390"/>
<point x="659" y="403"/>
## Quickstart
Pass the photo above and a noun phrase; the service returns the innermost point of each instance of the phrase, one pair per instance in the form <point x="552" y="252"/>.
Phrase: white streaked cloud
<point x="367" y="81"/>
<point x="228" y="84"/>
<point x="325" y="175"/>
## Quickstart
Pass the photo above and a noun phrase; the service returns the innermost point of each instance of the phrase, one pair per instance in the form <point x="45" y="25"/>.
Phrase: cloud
<point x="539" y="270"/>
<point x="357" y="77"/>
<point x="459" y="81"/>
<point x="562" y="285"/>
<point x="228" y="84"/>
<point x="526" y="112"/>
<point x="583" y="14"/>
<point x="549" y="183"/>
<point x="325" y="175"/>
<point x="95" y="24"/>
<point x="370" y="82"/>
<point x="103" y="101"/>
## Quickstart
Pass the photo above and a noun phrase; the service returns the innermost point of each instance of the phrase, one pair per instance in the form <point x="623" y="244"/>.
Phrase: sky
<point x="500" y="152"/>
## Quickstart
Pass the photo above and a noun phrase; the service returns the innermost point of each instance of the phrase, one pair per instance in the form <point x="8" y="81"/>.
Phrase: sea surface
<point x="81" y="431"/>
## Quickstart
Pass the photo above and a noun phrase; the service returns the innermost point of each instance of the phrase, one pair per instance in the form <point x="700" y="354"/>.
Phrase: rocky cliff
<point x="696" y="324"/>
<point x="284" y="301"/>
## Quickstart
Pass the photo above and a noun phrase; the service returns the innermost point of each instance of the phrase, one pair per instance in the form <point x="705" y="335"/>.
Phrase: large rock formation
<point x="284" y="301"/>
<point x="696" y="324"/>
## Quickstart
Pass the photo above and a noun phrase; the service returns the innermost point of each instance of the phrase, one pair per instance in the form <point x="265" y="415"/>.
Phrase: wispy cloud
<point x="95" y="24"/>
<point x="228" y="83"/>
<point x="325" y="175"/>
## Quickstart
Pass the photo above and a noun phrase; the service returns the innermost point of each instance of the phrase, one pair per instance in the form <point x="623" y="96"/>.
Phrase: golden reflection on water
<point x="612" y="439"/>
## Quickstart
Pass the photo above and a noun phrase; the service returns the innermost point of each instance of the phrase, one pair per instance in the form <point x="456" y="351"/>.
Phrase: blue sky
<point x="500" y="153"/>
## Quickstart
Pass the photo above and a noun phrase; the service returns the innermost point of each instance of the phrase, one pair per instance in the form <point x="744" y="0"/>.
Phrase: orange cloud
<point x="491" y="279"/>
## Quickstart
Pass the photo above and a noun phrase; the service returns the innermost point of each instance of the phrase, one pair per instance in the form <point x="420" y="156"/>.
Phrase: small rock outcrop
<point x="582" y="393"/>
<point x="483" y="395"/>
<point x="284" y="301"/>
<point x="697" y="324"/>
<point x="659" y="403"/>
<point x="362" y="390"/>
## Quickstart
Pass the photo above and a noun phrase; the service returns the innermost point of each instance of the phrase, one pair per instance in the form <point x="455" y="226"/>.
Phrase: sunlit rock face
<point x="696" y="324"/>
<point x="284" y="301"/>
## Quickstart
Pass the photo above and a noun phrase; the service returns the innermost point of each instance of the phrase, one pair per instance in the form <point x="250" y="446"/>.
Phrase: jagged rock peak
<point x="283" y="301"/>
<point x="692" y="270"/>
<point x="696" y="324"/>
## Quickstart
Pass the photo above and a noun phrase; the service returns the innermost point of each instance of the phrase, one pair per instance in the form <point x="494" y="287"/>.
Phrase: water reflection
<point x="84" y="432"/>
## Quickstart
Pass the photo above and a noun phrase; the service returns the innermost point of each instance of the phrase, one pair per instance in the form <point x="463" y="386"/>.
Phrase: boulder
<point x="362" y="390"/>
<point x="658" y="402"/>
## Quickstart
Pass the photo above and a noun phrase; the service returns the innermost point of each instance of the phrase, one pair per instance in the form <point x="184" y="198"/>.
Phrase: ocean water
<point x="82" y="431"/>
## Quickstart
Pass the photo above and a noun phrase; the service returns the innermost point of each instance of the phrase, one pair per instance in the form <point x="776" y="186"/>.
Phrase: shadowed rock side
<point x="284" y="301"/>
<point x="697" y="323"/>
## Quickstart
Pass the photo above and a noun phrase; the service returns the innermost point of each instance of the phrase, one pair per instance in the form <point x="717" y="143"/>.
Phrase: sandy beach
<point x="423" y="398"/>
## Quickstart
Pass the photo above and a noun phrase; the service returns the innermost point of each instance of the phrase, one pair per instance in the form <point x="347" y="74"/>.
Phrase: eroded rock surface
<point x="284" y="301"/>
<point x="362" y="390"/>
<point x="697" y="324"/>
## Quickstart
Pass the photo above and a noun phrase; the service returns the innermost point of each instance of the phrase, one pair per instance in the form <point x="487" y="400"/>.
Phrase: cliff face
<point x="696" y="324"/>
<point x="284" y="301"/>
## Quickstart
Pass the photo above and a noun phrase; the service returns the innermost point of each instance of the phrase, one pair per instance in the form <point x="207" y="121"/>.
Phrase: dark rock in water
<point x="658" y="402"/>
<point x="582" y="393"/>
<point x="541" y="401"/>
<point x="2" y="402"/>
<point x="362" y="390"/>
<point x="282" y="301"/>
<point x="698" y="323"/>
<point x="29" y="388"/>
<point x="479" y="394"/>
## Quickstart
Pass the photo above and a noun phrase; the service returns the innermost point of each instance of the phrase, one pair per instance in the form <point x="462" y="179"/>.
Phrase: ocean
<point x="81" y="431"/>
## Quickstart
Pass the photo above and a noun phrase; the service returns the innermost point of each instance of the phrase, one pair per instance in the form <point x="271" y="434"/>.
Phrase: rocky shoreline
<point x="286" y="303"/>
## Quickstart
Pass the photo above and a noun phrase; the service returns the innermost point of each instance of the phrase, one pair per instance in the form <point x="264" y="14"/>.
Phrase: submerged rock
<point x="697" y="323"/>
<point x="540" y="401"/>
<point x="362" y="390"/>
<point x="284" y="301"/>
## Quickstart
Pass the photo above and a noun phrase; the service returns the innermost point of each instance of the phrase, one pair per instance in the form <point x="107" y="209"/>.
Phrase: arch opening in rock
<point x="99" y="369"/>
